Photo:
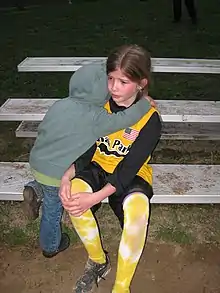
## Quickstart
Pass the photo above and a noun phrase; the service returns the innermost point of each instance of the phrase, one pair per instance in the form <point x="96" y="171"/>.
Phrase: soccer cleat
<point x="93" y="273"/>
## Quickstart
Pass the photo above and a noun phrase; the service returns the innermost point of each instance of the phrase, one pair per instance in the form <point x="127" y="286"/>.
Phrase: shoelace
<point x="95" y="274"/>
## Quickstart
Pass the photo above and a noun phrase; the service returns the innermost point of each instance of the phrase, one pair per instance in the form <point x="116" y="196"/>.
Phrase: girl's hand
<point x="79" y="203"/>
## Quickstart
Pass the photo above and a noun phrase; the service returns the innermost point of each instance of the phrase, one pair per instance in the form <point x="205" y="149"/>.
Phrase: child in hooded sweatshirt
<point x="70" y="128"/>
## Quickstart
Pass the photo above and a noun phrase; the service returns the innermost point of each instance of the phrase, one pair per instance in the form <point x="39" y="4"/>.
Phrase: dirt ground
<point x="163" y="268"/>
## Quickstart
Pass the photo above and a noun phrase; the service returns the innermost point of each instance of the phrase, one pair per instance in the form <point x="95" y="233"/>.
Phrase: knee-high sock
<point x="136" y="215"/>
<point x="86" y="226"/>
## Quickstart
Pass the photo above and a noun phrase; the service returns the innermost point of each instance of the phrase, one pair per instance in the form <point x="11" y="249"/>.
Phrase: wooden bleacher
<point x="173" y="183"/>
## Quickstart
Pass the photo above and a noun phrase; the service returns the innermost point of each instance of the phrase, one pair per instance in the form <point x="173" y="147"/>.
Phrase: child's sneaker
<point x="93" y="273"/>
<point x="32" y="202"/>
<point x="64" y="244"/>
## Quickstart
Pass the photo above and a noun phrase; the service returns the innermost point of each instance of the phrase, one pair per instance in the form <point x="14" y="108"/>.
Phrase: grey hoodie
<point x="73" y="124"/>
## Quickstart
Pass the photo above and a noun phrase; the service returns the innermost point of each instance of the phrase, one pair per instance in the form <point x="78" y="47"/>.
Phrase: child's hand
<point x="65" y="189"/>
<point x="151" y="101"/>
<point x="65" y="185"/>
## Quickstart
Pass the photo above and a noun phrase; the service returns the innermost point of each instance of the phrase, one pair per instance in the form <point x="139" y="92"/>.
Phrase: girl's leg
<point x="97" y="266"/>
<point x="136" y="216"/>
<point x="86" y="226"/>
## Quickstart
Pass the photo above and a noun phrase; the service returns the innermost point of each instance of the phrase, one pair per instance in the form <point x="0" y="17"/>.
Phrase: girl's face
<point x="121" y="88"/>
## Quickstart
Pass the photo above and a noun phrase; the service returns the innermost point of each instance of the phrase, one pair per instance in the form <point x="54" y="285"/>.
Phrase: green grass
<point x="13" y="236"/>
<point x="174" y="235"/>
<point x="17" y="230"/>
<point x="185" y="224"/>
<point x="87" y="29"/>
<point x="74" y="238"/>
<point x="178" y="224"/>
<point x="28" y="234"/>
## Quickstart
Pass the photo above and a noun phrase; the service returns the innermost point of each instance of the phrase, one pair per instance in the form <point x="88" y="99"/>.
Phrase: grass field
<point x="93" y="29"/>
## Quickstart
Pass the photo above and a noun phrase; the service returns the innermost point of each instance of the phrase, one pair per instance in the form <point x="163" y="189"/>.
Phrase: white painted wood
<point x="13" y="176"/>
<point x="25" y="109"/>
<point x="171" y="130"/>
<point x="186" y="183"/>
<point x="178" y="65"/>
<point x="171" y="110"/>
<point x="172" y="183"/>
<point x="191" y="131"/>
<point x="27" y="129"/>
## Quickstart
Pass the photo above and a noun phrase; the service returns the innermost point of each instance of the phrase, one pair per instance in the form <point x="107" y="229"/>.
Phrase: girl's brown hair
<point x="133" y="60"/>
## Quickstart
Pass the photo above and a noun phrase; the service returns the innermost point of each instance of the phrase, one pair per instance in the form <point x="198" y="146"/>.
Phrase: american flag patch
<point x="130" y="134"/>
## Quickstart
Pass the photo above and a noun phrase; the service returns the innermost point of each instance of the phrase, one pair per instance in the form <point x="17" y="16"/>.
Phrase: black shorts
<point x="96" y="177"/>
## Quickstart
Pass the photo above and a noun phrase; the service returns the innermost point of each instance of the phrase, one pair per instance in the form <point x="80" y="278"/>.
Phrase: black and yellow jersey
<point x="126" y="153"/>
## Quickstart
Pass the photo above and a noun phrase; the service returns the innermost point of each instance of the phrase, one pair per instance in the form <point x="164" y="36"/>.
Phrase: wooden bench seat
<point x="172" y="183"/>
<point x="171" y="130"/>
<point x="25" y="109"/>
<point x="171" y="110"/>
<point x="178" y="65"/>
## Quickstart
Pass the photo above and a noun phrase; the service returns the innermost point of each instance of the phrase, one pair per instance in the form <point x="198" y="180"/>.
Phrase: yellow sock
<point x="86" y="226"/>
<point x="136" y="215"/>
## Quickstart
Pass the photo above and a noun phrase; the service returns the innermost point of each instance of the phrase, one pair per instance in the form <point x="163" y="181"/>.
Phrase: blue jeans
<point x="52" y="210"/>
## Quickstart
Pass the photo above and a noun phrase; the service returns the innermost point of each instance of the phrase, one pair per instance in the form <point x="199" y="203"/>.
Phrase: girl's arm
<point x="103" y="193"/>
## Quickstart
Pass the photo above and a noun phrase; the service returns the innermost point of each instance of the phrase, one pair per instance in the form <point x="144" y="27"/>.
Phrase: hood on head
<point x="89" y="84"/>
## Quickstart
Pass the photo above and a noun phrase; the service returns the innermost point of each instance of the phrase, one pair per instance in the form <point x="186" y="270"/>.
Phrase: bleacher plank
<point x="27" y="129"/>
<point x="171" y="110"/>
<point x="178" y="65"/>
<point x="171" y="131"/>
<point x="172" y="183"/>
<point x="186" y="184"/>
<point x="25" y="109"/>
<point x="190" y="131"/>
<point x="13" y="176"/>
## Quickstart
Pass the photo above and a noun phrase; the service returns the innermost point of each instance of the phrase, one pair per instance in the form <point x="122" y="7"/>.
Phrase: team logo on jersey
<point x="130" y="134"/>
<point x="117" y="148"/>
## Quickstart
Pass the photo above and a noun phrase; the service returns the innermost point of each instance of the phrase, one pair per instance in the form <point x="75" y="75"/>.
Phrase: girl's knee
<point x="136" y="209"/>
<point x="136" y="201"/>
<point x="78" y="185"/>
